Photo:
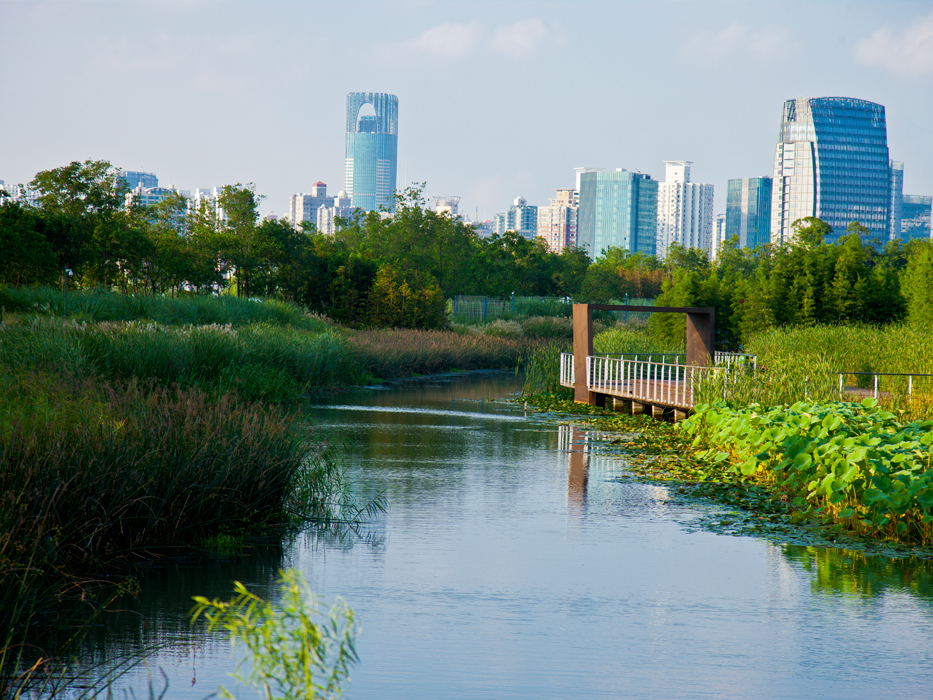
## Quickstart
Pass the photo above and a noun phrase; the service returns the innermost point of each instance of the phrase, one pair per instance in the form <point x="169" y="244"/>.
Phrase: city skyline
<point x="206" y="94"/>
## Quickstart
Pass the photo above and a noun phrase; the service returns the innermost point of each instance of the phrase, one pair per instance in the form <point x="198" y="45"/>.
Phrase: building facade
<point x="521" y="218"/>
<point x="748" y="211"/>
<point x="617" y="209"/>
<point x="719" y="235"/>
<point x="831" y="162"/>
<point x="916" y="216"/>
<point x="685" y="209"/>
<point x="135" y="178"/>
<point x="303" y="207"/>
<point x="372" y="150"/>
<point x="557" y="223"/>
<point x="337" y="208"/>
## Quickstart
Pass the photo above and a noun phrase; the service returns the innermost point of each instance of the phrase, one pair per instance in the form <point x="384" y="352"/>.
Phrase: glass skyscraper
<point x="372" y="150"/>
<point x="617" y="209"/>
<point x="916" y="214"/>
<point x="832" y="162"/>
<point x="748" y="211"/>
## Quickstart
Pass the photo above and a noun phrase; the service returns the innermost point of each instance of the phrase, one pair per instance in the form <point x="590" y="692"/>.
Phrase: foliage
<point x="850" y="462"/>
<point x="295" y="651"/>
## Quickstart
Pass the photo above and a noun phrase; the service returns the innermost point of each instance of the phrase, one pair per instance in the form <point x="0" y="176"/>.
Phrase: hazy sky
<point x="496" y="99"/>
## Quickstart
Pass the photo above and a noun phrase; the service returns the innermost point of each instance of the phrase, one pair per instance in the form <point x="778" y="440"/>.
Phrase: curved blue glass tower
<point x="832" y="162"/>
<point x="372" y="150"/>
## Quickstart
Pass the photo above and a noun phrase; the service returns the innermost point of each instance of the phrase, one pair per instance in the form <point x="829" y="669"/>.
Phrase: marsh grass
<point x="619" y="340"/>
<point x="803" y="364"/>
<point x="190" y="309"/>
<point x="97" y="474"/>
<point x="398" y="353"/>
<point x="257" y="362"/>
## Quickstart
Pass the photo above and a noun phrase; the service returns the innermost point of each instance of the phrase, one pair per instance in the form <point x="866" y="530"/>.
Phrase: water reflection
<point x="841" y="571"/>
<point x="515" y="561"/>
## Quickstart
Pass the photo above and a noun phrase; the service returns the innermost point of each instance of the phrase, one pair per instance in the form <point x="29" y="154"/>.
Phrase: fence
<point x="464" y="307"/>
<point x="886" y="385"/>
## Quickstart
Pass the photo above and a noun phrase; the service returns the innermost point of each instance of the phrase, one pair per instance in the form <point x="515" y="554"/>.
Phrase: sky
<point x="496" y="99"/>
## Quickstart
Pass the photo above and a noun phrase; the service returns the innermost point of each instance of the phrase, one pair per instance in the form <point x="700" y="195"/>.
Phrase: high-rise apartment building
<point x="304" y="206"/>
<point x="557" y="223"/>
<point x="372" y="150"/>
<point x="916" y="212"/>
<point x="135" y="178"/>
<point x="685" y="209"/>
<point x="336" y="208"/>
<point x="832" y="162"/>
<point x="748" y="211"/>
<point x="617" y="209"/>
<point x="521" y="218"/>
<point x="719" y="235"/>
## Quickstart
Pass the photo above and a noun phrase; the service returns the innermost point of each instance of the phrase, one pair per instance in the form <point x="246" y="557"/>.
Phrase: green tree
<point x="917" y="284"/>
<point x="239" y="206"/>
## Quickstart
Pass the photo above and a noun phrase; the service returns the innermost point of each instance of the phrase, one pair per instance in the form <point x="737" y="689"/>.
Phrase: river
<point x="513" y="562"/>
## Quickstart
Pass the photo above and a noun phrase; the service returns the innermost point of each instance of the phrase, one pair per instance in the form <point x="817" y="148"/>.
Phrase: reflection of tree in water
<point x="95" y="628"/>
<point x="344" y="536"/>
<point x="853" y="573"/>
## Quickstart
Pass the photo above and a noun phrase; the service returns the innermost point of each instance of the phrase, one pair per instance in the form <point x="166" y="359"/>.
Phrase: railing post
<point x="484" y="310"/>
<point x="876" y="386"/>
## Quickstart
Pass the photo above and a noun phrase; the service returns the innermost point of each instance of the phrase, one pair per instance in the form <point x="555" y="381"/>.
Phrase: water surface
<point x="512" y="563"/>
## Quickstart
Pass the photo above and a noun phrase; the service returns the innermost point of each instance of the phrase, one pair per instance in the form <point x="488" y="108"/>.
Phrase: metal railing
<point x="877" y="391"/>
<point x="736" y="359"/>
<point x="566" y="369"/>
<point x="652" y="382"/>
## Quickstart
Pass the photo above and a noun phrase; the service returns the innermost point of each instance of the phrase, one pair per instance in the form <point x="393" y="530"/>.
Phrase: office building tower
<point x="617" y="209"/>
<point x="719" y="235"/>
<point x="521" y="218"/>
<point x="685" y="209"/>
<point x="303" y="207"/>
<point x="896" y="198"/>
<point x="135" y="178"/>
<point x="557" y="223"/>
<point x="915" y="216"/>
<point x="831" y="162"/>
<point x="748" y="211"/>
<point x="372" y="150"/>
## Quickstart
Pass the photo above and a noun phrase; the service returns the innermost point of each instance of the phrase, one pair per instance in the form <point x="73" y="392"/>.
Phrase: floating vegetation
<point x="731" y="501"/>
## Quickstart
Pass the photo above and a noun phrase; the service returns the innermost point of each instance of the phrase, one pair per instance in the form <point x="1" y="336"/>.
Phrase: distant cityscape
<point x="831" y="162"/>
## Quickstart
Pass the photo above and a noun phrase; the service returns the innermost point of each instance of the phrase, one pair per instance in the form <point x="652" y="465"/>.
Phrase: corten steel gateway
<point x="701" y="333"/>
<point x="372" y="150"/>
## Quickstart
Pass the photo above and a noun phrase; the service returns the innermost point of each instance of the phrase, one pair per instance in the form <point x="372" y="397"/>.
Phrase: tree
<point x="79" y="200"/>
<point x="239" y="206"/>
<point x="917" y="284"/>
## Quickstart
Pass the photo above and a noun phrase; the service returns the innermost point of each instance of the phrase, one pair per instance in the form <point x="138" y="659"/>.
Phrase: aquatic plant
<point x="851" y="463"/>
<point x="295" y="650"/>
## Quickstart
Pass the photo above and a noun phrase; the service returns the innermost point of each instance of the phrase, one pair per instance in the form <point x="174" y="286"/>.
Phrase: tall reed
<point x="96" y="473"/>
<point x="194" y="309"/>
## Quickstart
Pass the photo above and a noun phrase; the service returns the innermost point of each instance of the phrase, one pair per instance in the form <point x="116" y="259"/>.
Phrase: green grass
<point x="193" y="309"/>
<point x="96" y="474"/>
<point x="803" y="364"/>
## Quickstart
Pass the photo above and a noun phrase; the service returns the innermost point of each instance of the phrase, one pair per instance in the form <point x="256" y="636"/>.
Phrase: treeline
<point x="398" y="270"/>
<point x="802" y="283"/>
<point x="376" y="271"/>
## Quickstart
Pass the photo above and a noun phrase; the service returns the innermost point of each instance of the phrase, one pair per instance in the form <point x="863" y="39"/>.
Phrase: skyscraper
<point x="685" y="209"/>
<point x="748" y="211"/>
<point x="557" y="224"/>
<point x="831" y="162"/>
<point x="372" y="149"/>
<point x="916" y="214"/>
<point x="521" y="218"/>
<point x="617" y="209"/>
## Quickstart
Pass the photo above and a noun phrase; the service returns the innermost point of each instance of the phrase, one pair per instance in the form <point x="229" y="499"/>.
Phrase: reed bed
<point x="398" y="353"/>
<point x="803" y="364"/>
<point x="619" y="340"/>
<point x="258" y="362"/>
<point x="97" y="474"/>
<point x="190" y="309"/>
